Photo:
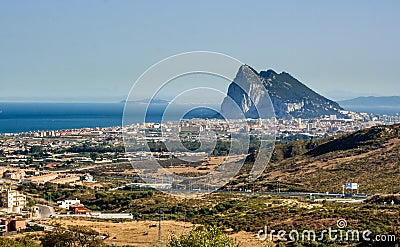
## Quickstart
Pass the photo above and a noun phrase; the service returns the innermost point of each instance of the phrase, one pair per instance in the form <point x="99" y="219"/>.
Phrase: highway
<point x="289" y="194"/>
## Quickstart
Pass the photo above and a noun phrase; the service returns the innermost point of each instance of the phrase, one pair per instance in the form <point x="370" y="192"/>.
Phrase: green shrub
<point x="21" y="242"/>
<point x="202" y="237"/>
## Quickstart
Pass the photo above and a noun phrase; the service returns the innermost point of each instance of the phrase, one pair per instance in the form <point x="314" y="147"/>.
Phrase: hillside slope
<point x="369" y="157"/>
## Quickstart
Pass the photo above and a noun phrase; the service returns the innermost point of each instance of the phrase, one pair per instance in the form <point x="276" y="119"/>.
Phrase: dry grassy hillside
<point x="370" y="157"/>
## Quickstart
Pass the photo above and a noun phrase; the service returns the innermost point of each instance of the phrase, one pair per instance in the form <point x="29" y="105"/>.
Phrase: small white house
<point x="66" y="203"/>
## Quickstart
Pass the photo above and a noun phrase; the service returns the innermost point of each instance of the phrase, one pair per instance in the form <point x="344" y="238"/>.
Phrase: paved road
<point x="294" y="194"/>
<point x="93" y="166"/>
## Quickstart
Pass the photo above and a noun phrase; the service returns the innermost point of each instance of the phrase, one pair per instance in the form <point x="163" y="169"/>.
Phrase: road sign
<point x="351" y="186"/>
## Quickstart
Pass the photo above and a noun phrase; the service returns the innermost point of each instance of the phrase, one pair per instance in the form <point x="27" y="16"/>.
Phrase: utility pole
<point x="159" y="225"/>
<point x="278" y="189"/>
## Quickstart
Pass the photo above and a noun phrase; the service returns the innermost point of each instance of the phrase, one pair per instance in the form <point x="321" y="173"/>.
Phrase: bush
<point x="20" y="242"/>
<point x="202" y="237"/>
<point x="74" y="236"/>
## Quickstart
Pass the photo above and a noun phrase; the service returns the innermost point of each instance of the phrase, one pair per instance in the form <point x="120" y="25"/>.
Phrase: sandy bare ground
<point x="209" y="166"/>
<point x="140" y="233"/>
<point x="145" y="233"/>
<point x="248" y="239"/>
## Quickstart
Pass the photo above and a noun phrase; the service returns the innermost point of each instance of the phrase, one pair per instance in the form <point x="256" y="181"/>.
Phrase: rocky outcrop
<point x="290" y="98"/>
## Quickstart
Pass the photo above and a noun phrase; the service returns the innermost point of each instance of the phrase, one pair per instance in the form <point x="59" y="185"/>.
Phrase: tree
<point x="73" y="236"/>
<point x="19" y="242"/>
<point x="29" y="160"/>
<point x="94" y="156"/>
<point x="37" y="151"/>
<point x="202" y="236"/>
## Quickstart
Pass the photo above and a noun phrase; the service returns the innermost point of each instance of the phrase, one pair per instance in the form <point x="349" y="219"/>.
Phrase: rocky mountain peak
<point x="290" y="98"/>
<point x="268" y="73"/>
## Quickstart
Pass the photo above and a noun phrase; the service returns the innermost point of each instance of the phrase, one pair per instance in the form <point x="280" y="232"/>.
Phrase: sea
<point x="25" y="117"/>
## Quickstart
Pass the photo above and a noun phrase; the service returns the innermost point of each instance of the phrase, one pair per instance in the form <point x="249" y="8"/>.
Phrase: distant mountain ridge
<point x="388" y="101"/>
<point x="372" y="104"/>
<point x="290" y="98"/>
<point x="146" y="101"/>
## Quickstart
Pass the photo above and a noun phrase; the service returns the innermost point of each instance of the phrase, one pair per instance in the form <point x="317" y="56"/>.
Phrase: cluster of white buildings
<point x="12" y="201"/>
<point x="16" y="150"/>
<point x="331" y="125"/>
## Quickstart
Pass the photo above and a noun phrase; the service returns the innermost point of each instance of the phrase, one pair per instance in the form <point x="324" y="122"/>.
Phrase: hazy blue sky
<point x="95" y="50"/>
